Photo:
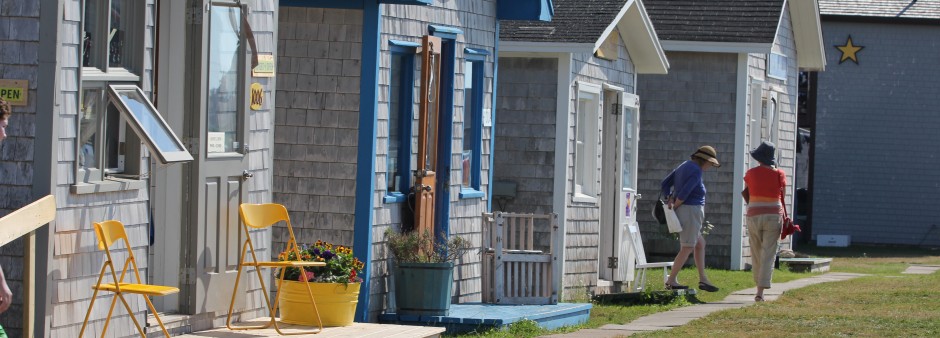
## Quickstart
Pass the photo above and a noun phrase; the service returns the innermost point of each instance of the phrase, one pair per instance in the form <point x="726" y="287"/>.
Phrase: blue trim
<point x="403" y="46"/>
<point x="474" y="53"/>
<point x="365" y="169"/>
<point x="445" y="32"/>
<point x="348" y="4"/>
<point x="475" y="139"/>
<point x="489" y="187"/>
<point x="542" y="10"/>
<point x="445" y="136"/>
<point x="471" y="193"/>
<point x="405" y="118"/>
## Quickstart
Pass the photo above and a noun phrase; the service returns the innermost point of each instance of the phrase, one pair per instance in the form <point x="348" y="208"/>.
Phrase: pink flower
<point x="306" y="276"/>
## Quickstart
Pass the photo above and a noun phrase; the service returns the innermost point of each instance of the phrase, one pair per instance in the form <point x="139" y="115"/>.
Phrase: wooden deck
<point x="356" y="330"/>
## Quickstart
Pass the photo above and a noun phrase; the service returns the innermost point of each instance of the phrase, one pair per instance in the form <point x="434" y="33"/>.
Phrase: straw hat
<point x="707" y="153"/>
<point x="765" y="153"/>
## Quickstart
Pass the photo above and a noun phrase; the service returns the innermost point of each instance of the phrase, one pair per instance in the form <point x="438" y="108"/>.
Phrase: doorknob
<point x="246" y="175"/>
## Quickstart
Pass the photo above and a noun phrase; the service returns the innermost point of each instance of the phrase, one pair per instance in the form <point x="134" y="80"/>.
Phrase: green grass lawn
<point x="602" y="314"/>
<point x="886" y="303"/>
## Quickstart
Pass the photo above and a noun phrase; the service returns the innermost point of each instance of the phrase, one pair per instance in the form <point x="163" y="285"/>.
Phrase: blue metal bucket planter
<point x="424" y="288"/>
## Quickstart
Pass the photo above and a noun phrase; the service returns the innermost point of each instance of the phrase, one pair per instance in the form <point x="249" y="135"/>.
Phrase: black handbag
<point x="658" y="213"/>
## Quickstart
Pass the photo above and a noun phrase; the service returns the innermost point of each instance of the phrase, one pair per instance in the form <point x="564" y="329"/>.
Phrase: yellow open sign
<point x="15" y="92"/>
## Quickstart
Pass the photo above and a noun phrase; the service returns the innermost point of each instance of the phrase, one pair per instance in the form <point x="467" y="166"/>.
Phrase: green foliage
<point x="412" y="247"/>
<point x="341" y="266"/>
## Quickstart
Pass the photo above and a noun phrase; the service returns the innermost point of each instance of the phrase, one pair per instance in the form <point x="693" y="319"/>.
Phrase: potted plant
<point x="335" y="286"/>
<point x="424" y="271"/>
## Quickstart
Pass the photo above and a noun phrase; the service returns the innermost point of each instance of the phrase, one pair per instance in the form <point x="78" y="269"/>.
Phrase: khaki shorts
<point x="691" y="217"/>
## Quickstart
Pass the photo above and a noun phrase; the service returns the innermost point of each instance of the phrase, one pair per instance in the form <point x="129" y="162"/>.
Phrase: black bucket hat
<point x="765" y="153"/>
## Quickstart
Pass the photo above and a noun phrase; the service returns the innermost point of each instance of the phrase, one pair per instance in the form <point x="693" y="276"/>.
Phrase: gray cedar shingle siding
<point x="477" y="20"/>
<point x="905" y="9"/>
<point x="717" y="21"/>
<point x="317" y="118"/>
<point x="19" y="45"/>
<point x="691" y="106"/>
<point x="574" y="21"/>
<point x="876" y="172"/>
<point x="525" y="137"/>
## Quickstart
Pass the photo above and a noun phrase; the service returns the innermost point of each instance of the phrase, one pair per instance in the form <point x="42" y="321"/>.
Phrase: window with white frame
<point x="112" y="57"/>
<point x="587" y="141"/>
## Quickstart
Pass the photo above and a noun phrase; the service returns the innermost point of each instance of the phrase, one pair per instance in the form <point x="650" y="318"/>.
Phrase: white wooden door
<point x="626" y="182"/>
<point x="218" y="131"/>
<point x="618" y="182"/>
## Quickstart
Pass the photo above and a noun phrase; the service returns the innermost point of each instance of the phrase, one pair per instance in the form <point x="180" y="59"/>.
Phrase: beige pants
<point x="764" y="235"/>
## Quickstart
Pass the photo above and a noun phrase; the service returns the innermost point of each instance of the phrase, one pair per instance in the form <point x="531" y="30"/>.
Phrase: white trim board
<point x="740" y="155"/>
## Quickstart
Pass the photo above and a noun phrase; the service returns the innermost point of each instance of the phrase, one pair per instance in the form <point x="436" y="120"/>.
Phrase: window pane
<point x="466" y="157"/>
<point x="587" y="112"/>
<point x="140" y="108"/>
<point x="88" y="127"/>
<point x="629" y="139"/>
<point x="90" y="33"/>
<point x="223" y="98"/>
<point x="393" y="179"/>
<point x="114" y="156"/>
<point x="118" y="32"/>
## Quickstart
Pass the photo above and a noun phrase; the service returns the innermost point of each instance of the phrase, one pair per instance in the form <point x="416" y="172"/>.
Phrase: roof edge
<point x="717" y="47"/>
<point x="639" y="36"/>
<point x="545" y="47"/>
<point x="807" y="33"/>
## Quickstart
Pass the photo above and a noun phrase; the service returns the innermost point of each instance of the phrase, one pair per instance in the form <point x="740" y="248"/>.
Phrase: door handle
<point x="246" y="175"/>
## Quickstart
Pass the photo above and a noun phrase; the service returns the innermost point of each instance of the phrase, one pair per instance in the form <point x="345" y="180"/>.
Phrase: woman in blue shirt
<point x="686" y="195"/>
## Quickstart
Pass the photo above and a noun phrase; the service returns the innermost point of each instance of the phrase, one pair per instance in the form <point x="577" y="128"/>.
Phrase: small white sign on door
<point x="215" y="142"/>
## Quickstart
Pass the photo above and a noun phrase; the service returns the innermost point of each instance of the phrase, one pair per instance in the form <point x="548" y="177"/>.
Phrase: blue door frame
<point x="445" y="126"/>
<point x="368" y="106"/>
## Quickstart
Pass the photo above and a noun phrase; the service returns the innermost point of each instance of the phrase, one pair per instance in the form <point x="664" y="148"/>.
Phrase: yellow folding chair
<point x="109" y="232"/>
<point x="260" y="216"/>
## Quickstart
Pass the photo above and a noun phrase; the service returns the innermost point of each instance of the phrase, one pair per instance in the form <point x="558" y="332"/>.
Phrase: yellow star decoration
<point x="849" y="51"/>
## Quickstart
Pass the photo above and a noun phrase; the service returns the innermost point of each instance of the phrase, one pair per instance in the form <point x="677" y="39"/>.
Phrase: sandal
<point x="758" y="299"/>
<point x="675" y="287"/>
<point x="707" y="287"/>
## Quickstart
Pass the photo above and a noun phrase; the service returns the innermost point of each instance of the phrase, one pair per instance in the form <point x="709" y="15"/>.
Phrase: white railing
<point x="520" y="256"/>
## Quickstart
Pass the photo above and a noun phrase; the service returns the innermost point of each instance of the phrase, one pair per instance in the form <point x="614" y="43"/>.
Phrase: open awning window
<point x="144" y="119"/>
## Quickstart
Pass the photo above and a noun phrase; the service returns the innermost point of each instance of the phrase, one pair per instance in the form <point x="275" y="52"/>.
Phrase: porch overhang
<point x="638" y="34"/>
<point x="807" y="33"/>
<point x="541" y="10"/>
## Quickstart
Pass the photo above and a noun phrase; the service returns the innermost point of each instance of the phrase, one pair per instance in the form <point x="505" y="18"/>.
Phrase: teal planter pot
<point x="424" y="288"/>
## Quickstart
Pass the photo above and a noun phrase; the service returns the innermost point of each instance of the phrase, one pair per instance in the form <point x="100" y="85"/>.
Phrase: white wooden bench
<point x="519" y="258"/>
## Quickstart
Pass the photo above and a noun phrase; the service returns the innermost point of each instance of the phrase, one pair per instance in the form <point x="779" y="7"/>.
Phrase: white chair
<point x="639" y="282"/>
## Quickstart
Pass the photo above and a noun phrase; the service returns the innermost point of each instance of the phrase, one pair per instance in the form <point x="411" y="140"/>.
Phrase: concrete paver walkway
<point x="921" y="269"/>
<point x="681" y="316"/>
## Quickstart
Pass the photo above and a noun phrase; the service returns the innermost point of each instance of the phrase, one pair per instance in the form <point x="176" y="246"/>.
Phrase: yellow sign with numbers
<point x="257" y="96"/>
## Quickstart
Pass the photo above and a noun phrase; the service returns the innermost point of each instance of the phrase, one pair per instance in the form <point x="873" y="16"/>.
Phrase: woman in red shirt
<point x="763" y="187"/>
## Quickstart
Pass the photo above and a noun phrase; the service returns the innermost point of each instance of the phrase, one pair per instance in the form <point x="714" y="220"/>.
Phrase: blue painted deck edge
<point x="565" y="314"/>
